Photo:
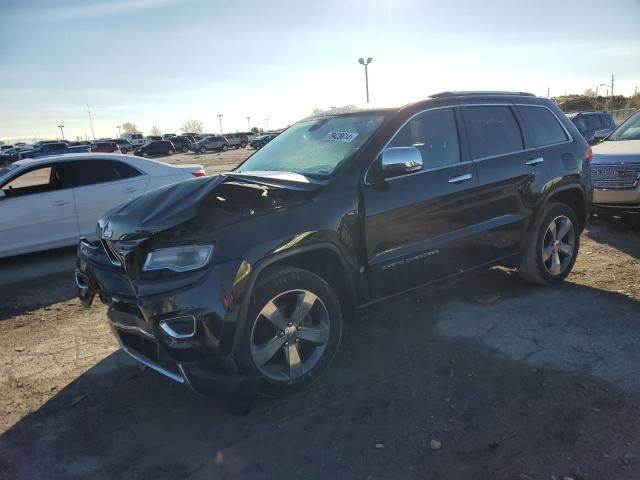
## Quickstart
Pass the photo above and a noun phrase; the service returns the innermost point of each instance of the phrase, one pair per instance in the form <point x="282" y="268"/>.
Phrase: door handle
<point x="535" y="161"/>
<point x="129" y="190"/>
<point x="59" y="203"/>
<point x="461" y="178"/>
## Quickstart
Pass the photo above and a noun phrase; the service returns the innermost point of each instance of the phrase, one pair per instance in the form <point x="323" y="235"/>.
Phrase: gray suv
<point x="237" y="140"/>
<point x="211" y="143"/>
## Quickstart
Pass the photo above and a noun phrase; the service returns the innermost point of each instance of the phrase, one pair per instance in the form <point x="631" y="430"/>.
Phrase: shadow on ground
<point x="621" y="233"/>
<point x="442" y="367"/>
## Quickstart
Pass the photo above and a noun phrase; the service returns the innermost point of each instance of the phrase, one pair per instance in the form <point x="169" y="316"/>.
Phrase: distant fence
<point x="621" y="115"/>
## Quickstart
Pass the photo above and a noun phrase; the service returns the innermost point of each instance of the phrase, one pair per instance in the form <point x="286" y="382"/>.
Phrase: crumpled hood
<point x="617" y="151"/>
<point x="200" y="205"/>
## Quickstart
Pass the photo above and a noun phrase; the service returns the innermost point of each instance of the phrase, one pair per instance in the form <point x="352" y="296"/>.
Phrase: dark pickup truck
<point x="45" y="149"/>
<point x="244" y="279"/>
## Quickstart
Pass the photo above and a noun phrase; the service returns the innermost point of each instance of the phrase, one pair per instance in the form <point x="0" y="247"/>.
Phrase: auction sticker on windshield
<point x="341" y="136"/>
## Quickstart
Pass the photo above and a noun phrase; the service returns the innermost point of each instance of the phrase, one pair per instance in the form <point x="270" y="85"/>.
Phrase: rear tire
<point x="296" y="342"/>
<point x="553" y="248"/>
<point x="145" y="154"/>
<point x="185" y="149"/>
<point x="170" y="152"/>
<point x="243" y="144"/>
<point x="224" y="148"/>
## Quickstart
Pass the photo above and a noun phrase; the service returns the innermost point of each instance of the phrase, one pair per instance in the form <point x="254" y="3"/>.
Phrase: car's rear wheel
<point x="224" y="148"/>
<point x="145" y="154"/>
<point x="185" y="149"/>
<point x="293" y="330"/>
<point x="553" y="250"/>
<point x="124" y="151"/>
<point x="243" y="144"/>
<point x="170" y="152"/>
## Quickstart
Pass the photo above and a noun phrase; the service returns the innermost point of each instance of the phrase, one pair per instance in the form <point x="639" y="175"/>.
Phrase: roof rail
<point x="477" y="93"/>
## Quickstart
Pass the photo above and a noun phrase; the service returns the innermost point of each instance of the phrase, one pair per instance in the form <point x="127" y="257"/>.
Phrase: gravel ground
<point x="490" y="379"/>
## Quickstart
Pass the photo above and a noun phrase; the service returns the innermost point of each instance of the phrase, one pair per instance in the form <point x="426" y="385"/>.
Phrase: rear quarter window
<point x="540" y="126"/>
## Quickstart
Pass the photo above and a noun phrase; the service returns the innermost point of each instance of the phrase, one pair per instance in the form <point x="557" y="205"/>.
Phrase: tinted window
<point x="593" y="122"/>
<point x="435" y="134"/>
<point x="541" y="126"/>
<point x="580" y="124"/>
<point x="492" y="131"/>
<point x="88" y="172"/>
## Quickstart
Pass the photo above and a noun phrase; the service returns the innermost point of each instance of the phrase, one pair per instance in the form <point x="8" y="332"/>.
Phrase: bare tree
<point x="129" y="127"/>
<point x="155" y="131"/>
<point x="192" y="126"/>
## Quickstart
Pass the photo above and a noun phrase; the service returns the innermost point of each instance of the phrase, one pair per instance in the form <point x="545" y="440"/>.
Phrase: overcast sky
<point x="161" y="62"/>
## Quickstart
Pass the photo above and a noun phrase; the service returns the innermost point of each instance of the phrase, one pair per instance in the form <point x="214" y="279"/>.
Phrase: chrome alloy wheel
<point x="290" y="335"/>
<point x="558" y="245"/>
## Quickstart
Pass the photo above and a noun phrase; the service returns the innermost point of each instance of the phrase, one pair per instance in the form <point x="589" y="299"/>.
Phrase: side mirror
<point x="601" y="134"/>
<point x="400" y="161"/>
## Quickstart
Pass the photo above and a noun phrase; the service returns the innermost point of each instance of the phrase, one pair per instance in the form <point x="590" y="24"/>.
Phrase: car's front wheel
<point x="553" y="248"/>
<point x="185" y="149"/>
<point x="170" y="152"/>
<point x="243" y="144"/>
<point x="293" y="330"/>
<point x="224" y="148"/>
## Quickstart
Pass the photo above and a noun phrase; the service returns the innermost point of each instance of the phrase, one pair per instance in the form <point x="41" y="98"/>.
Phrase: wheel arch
<point x="324" y="259"/>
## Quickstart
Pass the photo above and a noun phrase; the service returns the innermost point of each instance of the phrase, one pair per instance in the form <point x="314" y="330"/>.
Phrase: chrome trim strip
<point x="501" y="104"/>
<point x="172" y="333"/>
<point x="132" y="328"/>
<point x="167" y="373"/>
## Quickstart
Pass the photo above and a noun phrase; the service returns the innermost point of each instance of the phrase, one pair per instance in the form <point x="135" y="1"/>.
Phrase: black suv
<point x="158" y="147"/>
<point x="244" y="279"/>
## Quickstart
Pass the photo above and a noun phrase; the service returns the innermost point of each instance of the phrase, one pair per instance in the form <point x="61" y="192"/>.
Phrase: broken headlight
<point x="178" y="259"/>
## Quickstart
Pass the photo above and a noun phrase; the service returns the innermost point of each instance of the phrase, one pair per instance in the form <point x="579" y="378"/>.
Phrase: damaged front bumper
<point x="182" y="326"/>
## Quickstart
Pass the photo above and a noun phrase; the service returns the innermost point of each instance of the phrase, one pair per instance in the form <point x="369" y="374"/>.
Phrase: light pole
<point x="266" y="123"/>
<point x="220" y="118"/>
<point x="609" y="86"/>
<point x="93" y="134"/>
<point x="249" y="123"/>
<point x="366" y="73"/>
<point x="61" y="131"/>
<point x="118" y="127"/>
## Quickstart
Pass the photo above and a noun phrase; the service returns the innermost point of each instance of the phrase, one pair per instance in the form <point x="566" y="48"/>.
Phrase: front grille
<point x="615" y="177"/>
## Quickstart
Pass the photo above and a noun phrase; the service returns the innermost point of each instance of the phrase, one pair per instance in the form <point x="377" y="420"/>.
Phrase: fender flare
<point x="270" y="259"/>
<point x="545" y="201"/>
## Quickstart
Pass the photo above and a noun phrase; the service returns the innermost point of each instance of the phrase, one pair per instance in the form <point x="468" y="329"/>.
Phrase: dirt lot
<point x="488" y="379"/>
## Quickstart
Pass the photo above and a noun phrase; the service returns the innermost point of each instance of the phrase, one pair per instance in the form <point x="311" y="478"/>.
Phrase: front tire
<point x="170" y="152"/>
<point x="243" y="144"/>
<point x="553" y="250"/>
<point x="224" y="148"/>
<point x="293" y="330"/>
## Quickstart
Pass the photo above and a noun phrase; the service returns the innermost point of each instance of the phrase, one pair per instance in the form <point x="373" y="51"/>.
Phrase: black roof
<point x="479" y="93"/>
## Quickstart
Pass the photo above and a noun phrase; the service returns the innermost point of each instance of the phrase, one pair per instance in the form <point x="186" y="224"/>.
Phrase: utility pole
<point x="266" y="123"/>
<point x="548" y="92"/>
<point x="93" y="134"/>
<point x="249" y="123"/>
<point x="61" y="131"/>
<point x="220" y="118"/>
<point x="366" y="73"/>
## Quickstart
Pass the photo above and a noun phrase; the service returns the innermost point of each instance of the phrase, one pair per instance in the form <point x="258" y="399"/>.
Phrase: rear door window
<point x="89" y="172"/>
<point x="593" y="122"/>
<point x="492" y="131"/>
<point x="435" y="134"/>
<point x="540" y="126"/>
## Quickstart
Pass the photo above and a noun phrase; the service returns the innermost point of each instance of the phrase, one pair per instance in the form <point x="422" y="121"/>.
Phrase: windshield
<point x="314" y="147"/>
<point x="629" y="130"/>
